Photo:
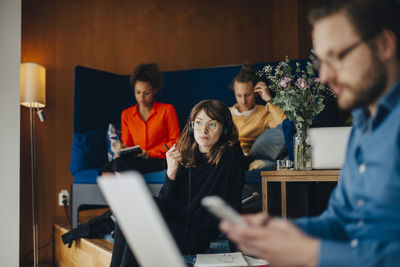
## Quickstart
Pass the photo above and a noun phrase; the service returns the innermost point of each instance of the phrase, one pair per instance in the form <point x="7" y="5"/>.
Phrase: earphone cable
<point x="188" y="209"/>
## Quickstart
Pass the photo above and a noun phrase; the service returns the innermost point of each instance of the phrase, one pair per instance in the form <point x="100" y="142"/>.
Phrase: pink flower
<point x="285" y="81"/>
<point x="301" y="82"/>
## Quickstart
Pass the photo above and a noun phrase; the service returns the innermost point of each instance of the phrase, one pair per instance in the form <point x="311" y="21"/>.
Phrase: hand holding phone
<point x="220" y="209"/>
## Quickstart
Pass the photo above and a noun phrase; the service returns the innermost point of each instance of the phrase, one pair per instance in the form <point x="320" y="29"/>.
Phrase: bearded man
<point x="357" y="44"/>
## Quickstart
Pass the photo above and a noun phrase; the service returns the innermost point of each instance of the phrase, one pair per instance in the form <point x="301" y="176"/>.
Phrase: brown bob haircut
<point x="218" y="111"/>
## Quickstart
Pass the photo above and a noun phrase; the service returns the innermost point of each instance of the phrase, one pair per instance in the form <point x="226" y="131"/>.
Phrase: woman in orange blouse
<point x="149" y="124"/>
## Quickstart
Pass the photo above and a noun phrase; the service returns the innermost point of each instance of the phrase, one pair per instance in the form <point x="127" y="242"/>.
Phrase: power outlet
<point x="64" y="194"/>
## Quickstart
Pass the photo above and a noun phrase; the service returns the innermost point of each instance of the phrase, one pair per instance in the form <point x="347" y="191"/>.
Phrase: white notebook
<point x="220" y="260"/>
<point x="236" y="259"/>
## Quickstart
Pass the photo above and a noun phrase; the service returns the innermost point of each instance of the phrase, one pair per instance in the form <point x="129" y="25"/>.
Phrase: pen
<point x="166" y="147"/>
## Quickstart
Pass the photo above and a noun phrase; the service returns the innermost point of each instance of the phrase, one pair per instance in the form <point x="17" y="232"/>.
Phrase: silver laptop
<point x="140" y="220"/>
<point x="328" y="146"/>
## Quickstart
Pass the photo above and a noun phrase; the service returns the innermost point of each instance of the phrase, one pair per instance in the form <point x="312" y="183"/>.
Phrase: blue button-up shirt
<point x="361" y="226"/>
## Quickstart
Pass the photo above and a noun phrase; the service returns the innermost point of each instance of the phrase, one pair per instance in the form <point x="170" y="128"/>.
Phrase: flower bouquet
<point x="300" y="94"/>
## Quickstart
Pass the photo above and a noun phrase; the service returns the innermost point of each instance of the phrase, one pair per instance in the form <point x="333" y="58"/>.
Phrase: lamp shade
<point x="33" y="85"/>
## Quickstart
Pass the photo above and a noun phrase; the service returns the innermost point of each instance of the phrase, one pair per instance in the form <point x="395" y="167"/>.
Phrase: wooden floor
<point x="84" y="252"/>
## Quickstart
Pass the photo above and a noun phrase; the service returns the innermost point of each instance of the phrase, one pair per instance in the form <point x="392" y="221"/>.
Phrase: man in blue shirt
<point x="357" y="43"/>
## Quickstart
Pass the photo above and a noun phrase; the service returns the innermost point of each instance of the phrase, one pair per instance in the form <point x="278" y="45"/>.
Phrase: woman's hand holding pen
<point x="174" y="157"/>
<point x="276" y="240"/>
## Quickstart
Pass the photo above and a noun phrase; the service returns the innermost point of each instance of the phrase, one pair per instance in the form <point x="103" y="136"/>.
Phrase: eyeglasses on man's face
<point x="212" y="126"/>
<point x="335" y="61"/>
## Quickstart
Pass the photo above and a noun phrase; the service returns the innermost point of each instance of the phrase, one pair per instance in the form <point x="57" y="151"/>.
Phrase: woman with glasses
<point x="149" y="124"/>
<point x="207" y="160"/>
<point x="251" y="119"/>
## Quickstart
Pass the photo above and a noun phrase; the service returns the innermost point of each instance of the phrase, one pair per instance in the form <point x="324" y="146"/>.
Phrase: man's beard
<point x="371" y="87"/>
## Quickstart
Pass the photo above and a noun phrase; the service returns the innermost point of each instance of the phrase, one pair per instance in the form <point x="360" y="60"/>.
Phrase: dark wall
<point x="116" y="35"/>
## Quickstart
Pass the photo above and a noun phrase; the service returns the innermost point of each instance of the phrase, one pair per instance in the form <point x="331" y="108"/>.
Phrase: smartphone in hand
<point x="220" y="209"/>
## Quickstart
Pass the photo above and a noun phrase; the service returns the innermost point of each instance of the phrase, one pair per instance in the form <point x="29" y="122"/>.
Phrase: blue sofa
<point x="99" y="99"/>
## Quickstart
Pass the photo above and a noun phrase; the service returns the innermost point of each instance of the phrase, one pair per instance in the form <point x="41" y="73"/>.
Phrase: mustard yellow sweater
<point x="252" y="125"/>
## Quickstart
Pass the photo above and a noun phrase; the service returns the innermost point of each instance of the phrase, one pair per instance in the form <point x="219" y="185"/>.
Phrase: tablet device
<point x="130" y="150"/>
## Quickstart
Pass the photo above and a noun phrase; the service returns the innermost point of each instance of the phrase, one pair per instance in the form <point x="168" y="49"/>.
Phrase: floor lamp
<point x="33" y="96"/>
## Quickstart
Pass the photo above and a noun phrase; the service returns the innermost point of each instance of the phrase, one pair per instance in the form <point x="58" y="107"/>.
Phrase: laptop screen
<point x="328" y="146"/>
<point x="140" y="220"/>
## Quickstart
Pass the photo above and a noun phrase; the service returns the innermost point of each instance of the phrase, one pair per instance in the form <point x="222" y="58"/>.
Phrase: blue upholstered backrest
<point x="186" y="88"/>
<point x="99" y="99"/>
<point x="101" y="96"/>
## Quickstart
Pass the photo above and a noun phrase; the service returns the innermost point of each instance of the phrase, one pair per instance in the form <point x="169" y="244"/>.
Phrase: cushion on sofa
<point x="86" y="176"/>
<point x="270" y="145"/>
<point x="113" y="142"/>
<point x="88" y="150"/>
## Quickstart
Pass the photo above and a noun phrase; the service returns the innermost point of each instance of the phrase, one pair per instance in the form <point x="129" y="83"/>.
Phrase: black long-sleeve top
<point x="225" y="180"/>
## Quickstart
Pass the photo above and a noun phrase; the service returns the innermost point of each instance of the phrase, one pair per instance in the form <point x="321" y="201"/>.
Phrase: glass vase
<point x="302" y="149"/>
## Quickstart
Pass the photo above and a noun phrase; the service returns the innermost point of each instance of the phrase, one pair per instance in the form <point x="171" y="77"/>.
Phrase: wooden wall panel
<point x="38" y="45"/>
<point x="177" y="34"/>
<point x="116" y="35"/>
<point x="284" y="30"/>
<point x="304" y="28"/>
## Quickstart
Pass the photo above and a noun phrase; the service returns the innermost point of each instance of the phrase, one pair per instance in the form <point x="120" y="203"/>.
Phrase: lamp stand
<point x="34" y="190"/>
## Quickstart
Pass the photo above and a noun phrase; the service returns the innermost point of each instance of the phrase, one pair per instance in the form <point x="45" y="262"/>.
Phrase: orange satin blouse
<point x="161" y="127"/>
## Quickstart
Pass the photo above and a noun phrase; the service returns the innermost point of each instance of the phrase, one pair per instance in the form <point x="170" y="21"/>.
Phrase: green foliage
<point x="297" y="92"/>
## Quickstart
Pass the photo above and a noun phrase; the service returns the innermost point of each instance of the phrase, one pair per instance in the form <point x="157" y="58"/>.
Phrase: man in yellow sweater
<point x="251" y="119"/>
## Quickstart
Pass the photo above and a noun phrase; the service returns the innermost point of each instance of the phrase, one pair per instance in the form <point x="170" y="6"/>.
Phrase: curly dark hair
<point x="218" y="111"/>
<point x="149" y="73"/>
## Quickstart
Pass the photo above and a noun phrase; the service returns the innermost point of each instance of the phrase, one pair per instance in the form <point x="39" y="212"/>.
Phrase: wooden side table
<point x="293" y="176"/>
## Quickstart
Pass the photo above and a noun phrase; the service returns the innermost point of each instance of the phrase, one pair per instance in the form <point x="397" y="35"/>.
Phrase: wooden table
<point x="293" y="176"/>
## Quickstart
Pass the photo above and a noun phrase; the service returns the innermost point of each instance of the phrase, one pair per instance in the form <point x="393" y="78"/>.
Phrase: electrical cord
<point x="41" y="247"/>
<point x="65" y="203"/>
<point x="30" y="251"/>
<point x="188" y="209"/>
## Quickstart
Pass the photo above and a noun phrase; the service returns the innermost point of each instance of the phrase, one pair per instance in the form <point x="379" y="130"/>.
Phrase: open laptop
<point x="140" y="220"/>
<point x="328" y="146"/>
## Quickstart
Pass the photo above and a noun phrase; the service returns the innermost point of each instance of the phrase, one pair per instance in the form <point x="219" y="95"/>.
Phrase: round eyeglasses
<point x="212" y="126"/>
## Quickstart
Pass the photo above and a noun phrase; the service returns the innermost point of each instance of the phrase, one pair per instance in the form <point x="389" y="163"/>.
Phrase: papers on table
<point x="228" y="260"/>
